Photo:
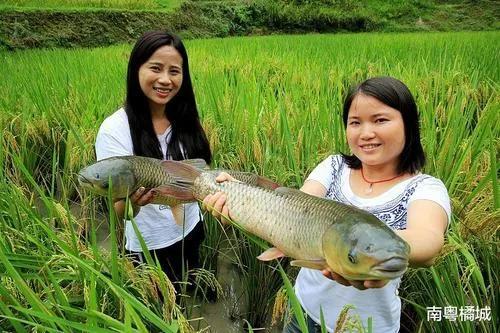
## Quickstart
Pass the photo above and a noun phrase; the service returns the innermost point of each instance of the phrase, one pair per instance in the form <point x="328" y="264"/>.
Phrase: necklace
<point x="370" y="187"/>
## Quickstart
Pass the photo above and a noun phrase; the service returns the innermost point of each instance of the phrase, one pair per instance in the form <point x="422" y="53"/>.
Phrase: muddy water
<point x="227" y="315"/>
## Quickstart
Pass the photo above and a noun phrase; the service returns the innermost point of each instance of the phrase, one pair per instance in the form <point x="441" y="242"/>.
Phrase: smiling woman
<point x="160" y="120"/>
<point x="382" y="131"/>
<point x="375" y="131"/>
<point x="160" y="79"/>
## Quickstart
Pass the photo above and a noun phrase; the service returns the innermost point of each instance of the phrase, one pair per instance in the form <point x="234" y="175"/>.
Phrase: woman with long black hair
<point x="159" y="119"/>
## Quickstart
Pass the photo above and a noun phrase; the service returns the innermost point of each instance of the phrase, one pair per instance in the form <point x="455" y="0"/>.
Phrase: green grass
<point x="79" y="23"/>
<point x="270" y="105"/>
<point x="92" y="4"/>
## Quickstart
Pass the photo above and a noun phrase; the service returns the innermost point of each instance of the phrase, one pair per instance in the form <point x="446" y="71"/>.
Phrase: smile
<point x="370" y="146"/>
<point x="162" y="90"/>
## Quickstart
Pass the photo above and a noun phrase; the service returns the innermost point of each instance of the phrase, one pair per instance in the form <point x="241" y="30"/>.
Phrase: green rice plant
<point x="259" y="300"/>
<point x="294" y="302"/>
<point x="209" y="254"/>
<point x="465" y="276"/>
<point x="44" y="297"/>
<point x="270" y="105"/>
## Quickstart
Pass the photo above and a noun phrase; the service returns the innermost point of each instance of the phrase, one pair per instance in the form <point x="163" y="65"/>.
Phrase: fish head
<point x="361" y="247"/>
<point x="115" y="172"/>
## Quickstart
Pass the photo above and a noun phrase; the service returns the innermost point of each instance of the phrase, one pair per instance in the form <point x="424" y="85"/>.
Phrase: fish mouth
<point x="84" y="181"/>
<point x="392" y="267"/>
<point x="87" y="183"/>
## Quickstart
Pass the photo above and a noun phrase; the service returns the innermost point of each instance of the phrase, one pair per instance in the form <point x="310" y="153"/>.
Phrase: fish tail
<point x="182" y="178"/>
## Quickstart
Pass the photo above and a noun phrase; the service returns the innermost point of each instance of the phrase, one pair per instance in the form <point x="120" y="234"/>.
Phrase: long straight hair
<point x="187" y="137"/>
<point x="395" y="94"/>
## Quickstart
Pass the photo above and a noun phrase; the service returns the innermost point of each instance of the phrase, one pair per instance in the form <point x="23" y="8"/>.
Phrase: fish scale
<point x="267" y="214"/>
<point x="150" y="173"/>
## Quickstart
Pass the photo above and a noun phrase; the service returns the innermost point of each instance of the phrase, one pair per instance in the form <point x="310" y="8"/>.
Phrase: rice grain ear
<point x="279" y="307"/>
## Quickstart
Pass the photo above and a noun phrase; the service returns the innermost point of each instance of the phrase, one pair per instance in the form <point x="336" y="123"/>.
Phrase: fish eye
<point x="97" y="176"/>
<point x="352" y="257"/>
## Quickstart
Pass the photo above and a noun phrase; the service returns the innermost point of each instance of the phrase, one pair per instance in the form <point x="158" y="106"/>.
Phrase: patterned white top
<point x="383" y="305"/>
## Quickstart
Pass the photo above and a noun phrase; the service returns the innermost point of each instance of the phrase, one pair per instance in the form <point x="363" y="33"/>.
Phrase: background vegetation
<point x="88" y="23"/>
<point x="271" y="105"/>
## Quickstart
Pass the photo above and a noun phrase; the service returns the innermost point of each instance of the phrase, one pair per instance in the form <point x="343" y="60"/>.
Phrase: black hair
<point x="181" y="110"/>
<point x="395" y="94"/>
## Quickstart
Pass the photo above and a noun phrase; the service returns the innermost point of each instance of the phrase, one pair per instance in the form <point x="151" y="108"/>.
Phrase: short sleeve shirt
<point x="317" y="293"/>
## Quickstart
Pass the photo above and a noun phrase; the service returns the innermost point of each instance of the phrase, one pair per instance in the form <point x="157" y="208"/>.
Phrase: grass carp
<point x="315" y="232"/>
<point x="128" y="173"/>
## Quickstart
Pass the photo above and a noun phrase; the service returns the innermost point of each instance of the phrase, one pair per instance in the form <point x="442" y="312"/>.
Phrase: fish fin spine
<point x="178" y="214"/>
<point x="198" y="163"/>
<point x="178" y="192"/>
<point x="183" y="173"/>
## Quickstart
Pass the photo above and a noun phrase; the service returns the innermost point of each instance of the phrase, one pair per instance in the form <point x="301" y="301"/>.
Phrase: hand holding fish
<point x="215" y="203"/>
<point x="140" y="198"/>
<point x="361" y="285"/>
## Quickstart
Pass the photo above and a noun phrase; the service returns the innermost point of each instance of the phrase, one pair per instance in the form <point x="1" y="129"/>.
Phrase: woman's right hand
<point x="140" y="198"/>
<point x="216" y="203"/>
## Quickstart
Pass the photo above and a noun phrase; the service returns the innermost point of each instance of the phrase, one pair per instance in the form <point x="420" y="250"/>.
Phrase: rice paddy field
<point x="270" y="105"/>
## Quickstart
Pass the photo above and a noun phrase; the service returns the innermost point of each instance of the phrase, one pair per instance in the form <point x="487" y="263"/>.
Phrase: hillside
<point x="88" y="23"/>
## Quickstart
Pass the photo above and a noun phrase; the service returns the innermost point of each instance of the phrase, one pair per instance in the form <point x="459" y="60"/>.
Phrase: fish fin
<point x="183" y="173"/>
<point x="312" y="263"/>
<point x="286" y="191"/>
<point x="178" y="213"/>
<point x="253" y="179"/>
<point x="198" y="163"/>
<point x="267" y="183"/>
<point x="270" y="254"/>
<point x="178" y="192"/>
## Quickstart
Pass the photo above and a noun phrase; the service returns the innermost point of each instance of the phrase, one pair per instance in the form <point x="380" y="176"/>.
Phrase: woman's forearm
<point x="425" y="246"/>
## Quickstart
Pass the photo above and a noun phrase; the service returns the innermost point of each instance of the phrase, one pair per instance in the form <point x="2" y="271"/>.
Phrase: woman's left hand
<point x="361" y="285"/>
<point x="216" y="203"/>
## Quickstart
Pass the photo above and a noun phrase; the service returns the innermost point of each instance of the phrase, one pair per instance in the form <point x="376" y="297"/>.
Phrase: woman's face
<point x="375" y="131"/>
<point x="160" y="77"/>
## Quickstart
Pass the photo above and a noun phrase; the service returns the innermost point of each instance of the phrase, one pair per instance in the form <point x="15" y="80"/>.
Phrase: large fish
<point x="316" y="232"/>
<point x="128" y="173"/>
